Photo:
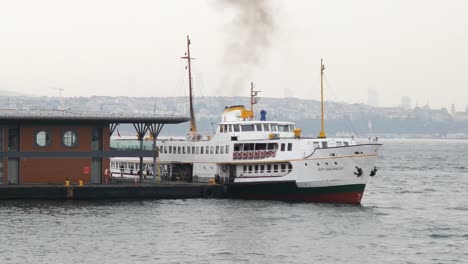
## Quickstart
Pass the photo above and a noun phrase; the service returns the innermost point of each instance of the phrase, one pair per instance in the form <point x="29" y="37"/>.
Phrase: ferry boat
<point x="258" y="158"/>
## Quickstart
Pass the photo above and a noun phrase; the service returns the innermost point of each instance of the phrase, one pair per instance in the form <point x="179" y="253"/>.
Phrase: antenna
<point x="253" y="98"/>
<point x="59" y="89"/>
<point x="193" y="126"/>
<point x="322" y="130"/>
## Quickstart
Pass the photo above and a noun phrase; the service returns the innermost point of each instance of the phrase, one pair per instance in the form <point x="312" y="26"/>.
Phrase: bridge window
<point x="248" y="147"/>
<point x="236" y="128"/>
<point x="256" y="168"/>
<point x="262" y="168"/>
<point x="266" y="127"/>
<point x="247" y="128"/>
<point x="289" y="146"/>
<point x="221" y="128"/>
<point x="316" y="145"/>
<point x="275" y="168"/>
<point x="212" y="150"/>
<point x="338" y="144"/>
<point x="283" y="147"/>
<point x="283" y="128"/>
<point x="250" y="168"/>
<point x="324" y="144"/>
<point x="230" y="128"/>
<point x="346" y="143"/>
<point x="221" y="150"/>
<point x="268" y="168"/>
<point x="259" y="127"/>
<point x="274" y="127"/>
<point x="217" y="149"/>
<point x="201" y="150"/>
<point x="237" y="147"/>
<point x="227" y="149"/>
<point x="289" y="167"/>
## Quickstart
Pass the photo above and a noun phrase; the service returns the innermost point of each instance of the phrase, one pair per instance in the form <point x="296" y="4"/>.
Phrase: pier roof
<point x="14" y="115"/>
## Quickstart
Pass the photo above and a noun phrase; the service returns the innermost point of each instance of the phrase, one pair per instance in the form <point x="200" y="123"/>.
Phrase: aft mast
<point x="322" y="68"/>
<point x="193" y="125"/>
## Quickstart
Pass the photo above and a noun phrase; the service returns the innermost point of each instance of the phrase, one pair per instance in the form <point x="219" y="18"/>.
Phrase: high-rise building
<point x="405" y="102"/>
<point x="373" y="97"/>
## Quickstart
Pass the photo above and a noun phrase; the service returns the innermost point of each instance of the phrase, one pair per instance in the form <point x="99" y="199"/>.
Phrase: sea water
<point x="415" y="210"/>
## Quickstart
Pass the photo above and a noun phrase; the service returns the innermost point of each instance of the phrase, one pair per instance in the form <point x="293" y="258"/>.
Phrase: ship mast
<point x="193" y="125"/>
<point x="322" y="68"/>
<point x="253" y="98"/>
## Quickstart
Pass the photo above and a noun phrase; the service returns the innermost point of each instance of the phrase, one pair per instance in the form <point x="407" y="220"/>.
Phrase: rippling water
<point x="414" y="211"/>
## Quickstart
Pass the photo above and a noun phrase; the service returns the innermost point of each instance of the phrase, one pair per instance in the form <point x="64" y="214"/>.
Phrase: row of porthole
<point x="42" y="138"/>
<point x="326" y="163"/>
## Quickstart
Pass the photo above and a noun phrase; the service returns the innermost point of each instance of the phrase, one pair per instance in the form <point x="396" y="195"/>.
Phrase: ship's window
<point x="291" y="127"/>
<point x="248" y="147"/>
<point x="225" y="128"/>
<point x="274" y="127"/>
<point x="259" y="127"/>
<point x="212" y="150"/>
<point x="169" y="148"/>
<point x="247" y="128"/>
<point x="201" y="150"/>
<point x="275" y="168"/>
<point x="338" y="144"/>
<point x="250" y="168"/>
<point x="256" y="168"/>
<point x="188" y="150"/>
<point x="236" y="128"/>
<point x="262" y="168"/>
<point x="283" y="167"/>
<point x="260" y="146"/>
<point x="289" y="146"/>
<point x="268" y="168"/>
<point x="42" y="138"/>
<point x="316" y="145"/>
<point x="324" y="144"/>
<point x="207" y="150"/>
<point x="165" y="149"/>
<point x="69" y="138"/>
<point x="283" y="128"/>
<point x="245" y="169"/>
<point x="217" y="149"/>
<point x="227" y="149"/>
<point x="283" y="146"/>
<point x="193" y="150"/>
<point x="183" y="150"/>
<point x="197" y="149"/>
<point x="178" y="150"/>
<point x="221" y="150"/>
<point x="237" y="147"/>
<point x="289" y="167"/>
<point x="230" y="128"/>
<point x="272" y="146"/>
<point x="266" y="127"/>
<point x="221" y="128"/>
<point x="346" y="143"/>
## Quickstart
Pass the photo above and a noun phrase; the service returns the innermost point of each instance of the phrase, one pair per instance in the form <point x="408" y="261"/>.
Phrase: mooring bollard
<point x="80" y="182"/>
<point x="67" y="183"/>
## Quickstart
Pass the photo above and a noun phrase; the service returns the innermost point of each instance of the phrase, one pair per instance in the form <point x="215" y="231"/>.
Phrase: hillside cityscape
<point x="341" y="118"/>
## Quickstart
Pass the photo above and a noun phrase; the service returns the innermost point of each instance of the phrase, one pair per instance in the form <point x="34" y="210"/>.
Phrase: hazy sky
<point x="416" y="48"/>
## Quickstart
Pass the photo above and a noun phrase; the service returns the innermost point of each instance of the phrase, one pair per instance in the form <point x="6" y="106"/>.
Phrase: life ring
<point x="267" y="154"/>
<point x="262" y="154"/>
<point x="273" y="153"/>
<point x="234" y="155"/>
<point x="224" y="168"/>
<point x="256" y="154"/>
<point x="250" y="154"/>
<point x="244" y="155"/>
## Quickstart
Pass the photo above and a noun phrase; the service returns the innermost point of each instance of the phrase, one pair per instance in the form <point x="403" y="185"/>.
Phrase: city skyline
<point x="127" y="48"/>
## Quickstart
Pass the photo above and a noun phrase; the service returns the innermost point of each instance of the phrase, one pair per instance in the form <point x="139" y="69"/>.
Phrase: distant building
<point x="405" y="102"/>
<point x="373" y="97"/>
<point x="452" y="112"/>
<point x="466" y="109"/>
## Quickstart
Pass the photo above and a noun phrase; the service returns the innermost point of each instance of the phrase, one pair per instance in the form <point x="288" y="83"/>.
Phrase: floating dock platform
<point x="113" y="191"/>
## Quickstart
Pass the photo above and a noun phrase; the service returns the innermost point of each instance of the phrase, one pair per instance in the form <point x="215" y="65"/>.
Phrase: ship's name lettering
<point x="331" y="169"/>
